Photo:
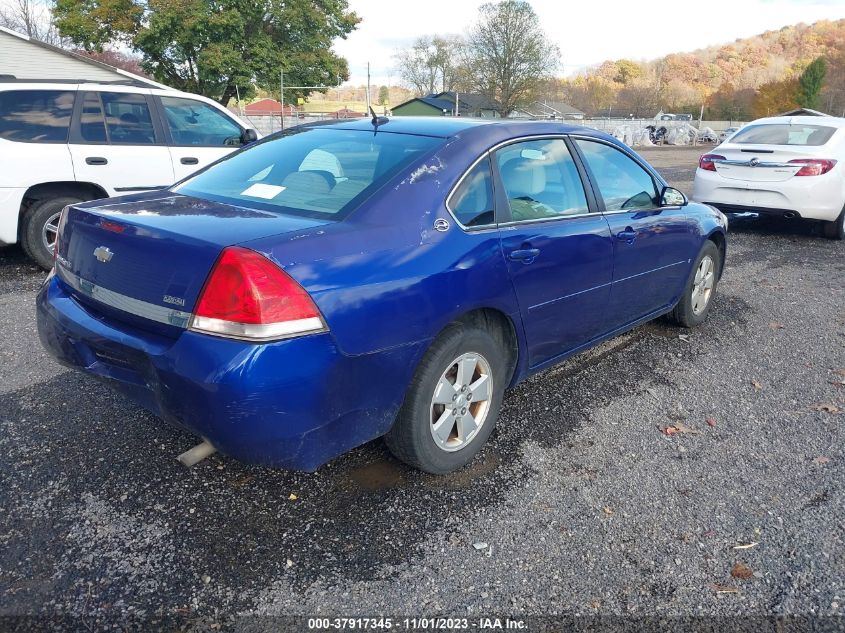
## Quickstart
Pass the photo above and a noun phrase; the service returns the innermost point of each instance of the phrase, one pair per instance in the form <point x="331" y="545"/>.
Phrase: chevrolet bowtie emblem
<point x="103" y="254"/>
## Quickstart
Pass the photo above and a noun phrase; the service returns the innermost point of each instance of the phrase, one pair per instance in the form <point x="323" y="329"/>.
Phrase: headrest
<point x="524" y="176"/>
<point x="312" y="182"/>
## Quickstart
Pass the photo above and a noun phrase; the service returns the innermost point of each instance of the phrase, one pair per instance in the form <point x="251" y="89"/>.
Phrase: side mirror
<point x="248" y="136"/>
<point x="671" y="197"/>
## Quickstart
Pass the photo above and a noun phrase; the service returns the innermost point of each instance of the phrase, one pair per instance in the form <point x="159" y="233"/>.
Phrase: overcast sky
<point x="587" y="33"/>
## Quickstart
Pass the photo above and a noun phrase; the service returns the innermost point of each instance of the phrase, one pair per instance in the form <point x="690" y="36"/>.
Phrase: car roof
<point x="828" y="121"/>
<point x="447" y="127"/>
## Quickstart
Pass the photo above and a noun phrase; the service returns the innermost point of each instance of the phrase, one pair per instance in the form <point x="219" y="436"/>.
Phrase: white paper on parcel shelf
<point x="260" y="190"/>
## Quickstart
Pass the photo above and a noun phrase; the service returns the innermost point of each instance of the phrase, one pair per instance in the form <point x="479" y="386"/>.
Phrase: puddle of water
<point x="483" y="465"/>
<point x="378" y="475"/>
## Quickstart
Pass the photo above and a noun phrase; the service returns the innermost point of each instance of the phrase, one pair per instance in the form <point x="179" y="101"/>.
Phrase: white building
<point x="22" y="57"/>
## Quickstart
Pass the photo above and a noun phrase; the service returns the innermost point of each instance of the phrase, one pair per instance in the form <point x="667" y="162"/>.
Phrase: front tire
<point x="40" y="228"/>
<point x="452" y="403"/>
<point x="694" y="304"/>
<point x="835" y="230"/>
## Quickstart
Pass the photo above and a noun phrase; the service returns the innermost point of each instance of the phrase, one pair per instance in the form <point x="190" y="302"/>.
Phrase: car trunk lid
<point x="761" y="164"/>
<point x="145" y="261"/>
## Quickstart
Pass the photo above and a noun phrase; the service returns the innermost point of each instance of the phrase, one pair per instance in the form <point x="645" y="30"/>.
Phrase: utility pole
<point x="368" y="88"/>
<point x="282" y="94"/>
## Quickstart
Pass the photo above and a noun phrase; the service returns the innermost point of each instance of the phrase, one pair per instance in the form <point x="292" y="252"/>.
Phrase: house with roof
<point x="548" y="110"/>
<point x="449" y="103"/>
<point x="803" y="112"/>
<point x="22" y="57"/>
<point x="267" y="107"/>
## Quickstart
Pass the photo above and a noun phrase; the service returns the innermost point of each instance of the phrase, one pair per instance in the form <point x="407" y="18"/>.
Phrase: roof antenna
<point x="377" y="120"/>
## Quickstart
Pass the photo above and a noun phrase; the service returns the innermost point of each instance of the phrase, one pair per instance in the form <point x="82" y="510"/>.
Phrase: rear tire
<point x="38" y="230"/>
<point x="453" y="401"/>
<point x="694" y="304"/>
<point x="835" y="230"/>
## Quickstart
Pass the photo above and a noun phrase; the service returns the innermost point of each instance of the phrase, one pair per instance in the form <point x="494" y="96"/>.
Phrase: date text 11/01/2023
<point x="417" y="624"/>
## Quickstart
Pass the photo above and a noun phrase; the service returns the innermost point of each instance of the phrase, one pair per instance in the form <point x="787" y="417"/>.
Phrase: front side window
<point x="541" y="180"/>
<point x="315" y="172"/>
<point x="472" y="201"/>
<point x="623" y="184"/>
<point x="193" y="122"/>
<point x="128" y="118"/>
<point x="41" y="116"/>
<point x="784" y="134"/>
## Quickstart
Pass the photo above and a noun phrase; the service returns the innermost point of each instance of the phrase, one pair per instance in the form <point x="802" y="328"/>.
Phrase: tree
<point x="383" y="95"/>
<point x="430" y="64"/>
<point x="31" y="18"/>
<point x="626" y="70"/>
<point x="218" y="47"/>
<point x="591" y="93"/>
<point x="507" y="55"/>
<point x="640" y="98"/>
<point x="115" y="58"/>
<point x="810" y="83"/>
<point x="775" y="97"/>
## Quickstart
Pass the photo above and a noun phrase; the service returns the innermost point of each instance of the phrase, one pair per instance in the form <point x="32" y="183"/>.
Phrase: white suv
<point x="65" y="142"/>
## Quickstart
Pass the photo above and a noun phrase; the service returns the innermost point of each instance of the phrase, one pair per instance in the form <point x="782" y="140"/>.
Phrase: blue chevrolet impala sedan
<point x="337" y="283"/>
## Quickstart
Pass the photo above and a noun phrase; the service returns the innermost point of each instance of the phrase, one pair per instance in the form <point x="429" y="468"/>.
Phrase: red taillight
<point x="248" y="296"/>
<point x="706" y="162"/>
<point x="813" y="166"/>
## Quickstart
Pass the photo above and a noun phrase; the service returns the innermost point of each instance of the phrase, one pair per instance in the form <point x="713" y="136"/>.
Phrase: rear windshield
<point x="784" y="134"/>
<point x="315" y="172"/>
<point x="41" y="116"/>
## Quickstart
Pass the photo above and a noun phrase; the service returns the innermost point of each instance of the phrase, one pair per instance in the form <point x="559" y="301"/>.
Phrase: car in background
<point x="68" y="142"/>
<point x="791" y="167"/>
<point x="726" y="134"/>
<point x="336" y="283"/>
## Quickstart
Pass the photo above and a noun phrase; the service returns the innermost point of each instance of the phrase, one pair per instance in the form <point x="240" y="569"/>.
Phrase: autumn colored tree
<point x="218" y="47"/>
<point x="810" y="83"/>
<point x="626" y="70"/>
<point x="775" y="97"/>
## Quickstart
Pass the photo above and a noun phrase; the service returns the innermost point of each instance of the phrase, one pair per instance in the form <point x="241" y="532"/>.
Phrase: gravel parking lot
<point x="580" y="504"/>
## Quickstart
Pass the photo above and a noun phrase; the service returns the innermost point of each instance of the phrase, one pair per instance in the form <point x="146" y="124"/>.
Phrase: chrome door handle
<point x="524" y="255"/>
<point x="628" y="235"/>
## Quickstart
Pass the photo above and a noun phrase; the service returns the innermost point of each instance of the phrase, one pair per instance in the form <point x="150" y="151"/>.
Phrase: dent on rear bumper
<point x="294" y="404"/>
<point x="10" y="208"/>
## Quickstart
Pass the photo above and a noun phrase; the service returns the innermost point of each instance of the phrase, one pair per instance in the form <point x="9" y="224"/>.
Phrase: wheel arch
<point x="501" y="326"/>
<point x="46" y="190"/>
<point x="721" y="242"/>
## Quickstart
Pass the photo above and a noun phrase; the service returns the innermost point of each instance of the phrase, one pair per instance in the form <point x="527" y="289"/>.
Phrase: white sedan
<point x="793" y="167"/>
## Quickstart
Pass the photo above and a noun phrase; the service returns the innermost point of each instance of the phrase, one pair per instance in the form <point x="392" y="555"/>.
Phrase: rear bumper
<point x="10" y="209"/>
<point x="293" y="404"/>
<point x="812" y="198"/>
<point x="738" y="208"/>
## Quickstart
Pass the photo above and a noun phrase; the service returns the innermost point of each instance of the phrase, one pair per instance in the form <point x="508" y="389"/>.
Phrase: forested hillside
<point x="750" y="77"/>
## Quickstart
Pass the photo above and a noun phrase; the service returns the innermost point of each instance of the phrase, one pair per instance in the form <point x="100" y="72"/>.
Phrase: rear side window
<point x="784" y="134"/>
<point x="315" y="172"/>
<point x="39" y="116"/>
<point x="472" y="201"/>
<point x="128" y="118"/>
<point x="196" y="123"/>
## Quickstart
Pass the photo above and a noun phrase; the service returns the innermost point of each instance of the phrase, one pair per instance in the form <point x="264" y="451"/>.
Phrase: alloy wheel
<point x="50" y="231"/>
<point x="702" y="284"/>
<point x="461" y="401"/>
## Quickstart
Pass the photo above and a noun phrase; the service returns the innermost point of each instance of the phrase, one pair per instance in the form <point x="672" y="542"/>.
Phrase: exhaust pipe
<point x="196" y="454"/>
<point x="789" y="214"/>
